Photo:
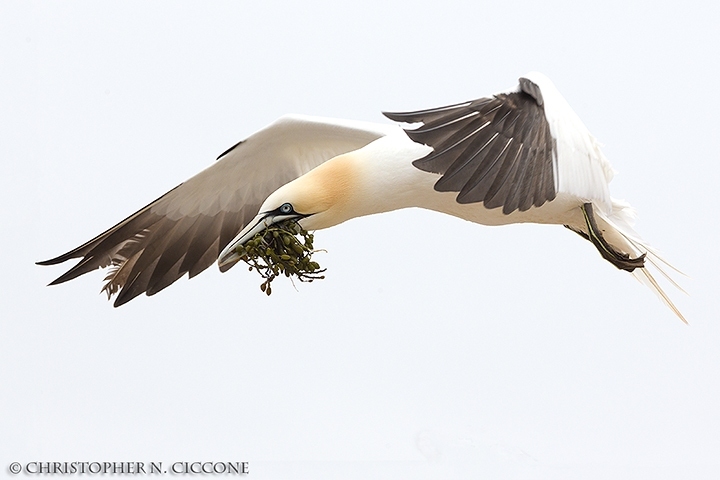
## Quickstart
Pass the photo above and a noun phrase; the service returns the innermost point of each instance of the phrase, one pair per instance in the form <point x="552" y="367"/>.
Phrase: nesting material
<point x="282" y="249"/>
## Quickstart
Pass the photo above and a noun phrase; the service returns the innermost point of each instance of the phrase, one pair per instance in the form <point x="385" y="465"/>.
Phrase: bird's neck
<point x="377" y="178"/>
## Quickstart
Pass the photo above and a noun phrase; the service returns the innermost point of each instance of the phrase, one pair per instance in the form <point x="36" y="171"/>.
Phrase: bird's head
<point x="319" y="199"/>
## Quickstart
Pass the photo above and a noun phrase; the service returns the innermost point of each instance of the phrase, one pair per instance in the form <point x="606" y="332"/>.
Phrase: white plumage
<point x="518" y="156"/>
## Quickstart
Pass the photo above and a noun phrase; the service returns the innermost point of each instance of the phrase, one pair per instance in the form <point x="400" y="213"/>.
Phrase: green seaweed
<point x="284" y="248"/>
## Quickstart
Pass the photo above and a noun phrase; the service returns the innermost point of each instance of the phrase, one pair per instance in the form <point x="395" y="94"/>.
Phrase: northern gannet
<point x="514" y="157"/>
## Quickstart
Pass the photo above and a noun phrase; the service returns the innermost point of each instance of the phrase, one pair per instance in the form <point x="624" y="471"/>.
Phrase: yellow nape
<point x="324" y="193"/>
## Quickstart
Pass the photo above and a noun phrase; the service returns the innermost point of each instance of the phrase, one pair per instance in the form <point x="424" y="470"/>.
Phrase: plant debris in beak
<point x="278" y="250"/>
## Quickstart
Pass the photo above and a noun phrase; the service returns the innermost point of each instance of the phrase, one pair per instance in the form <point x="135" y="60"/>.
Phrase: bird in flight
<point x="513" y="157"/>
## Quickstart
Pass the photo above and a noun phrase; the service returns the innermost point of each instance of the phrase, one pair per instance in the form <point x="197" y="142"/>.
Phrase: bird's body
<point x="402" y="185"/>
<point x="516" y="157"/>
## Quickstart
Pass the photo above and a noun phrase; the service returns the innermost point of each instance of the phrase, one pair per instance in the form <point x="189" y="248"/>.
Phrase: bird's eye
<point x="286" y="208"/>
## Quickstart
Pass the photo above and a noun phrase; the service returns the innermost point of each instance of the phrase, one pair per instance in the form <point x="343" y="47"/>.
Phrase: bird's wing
<point x="185" y="229"/>
<point x="581" y="168"/>
<point x="513" y="150"/>
<point x="496" y="150"/>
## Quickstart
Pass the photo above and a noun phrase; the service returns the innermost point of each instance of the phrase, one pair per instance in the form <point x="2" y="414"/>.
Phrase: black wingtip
<point x="229" y="150"/>
<point x="124" y="296"/>
<point x="53" y="261"/>
<point x="394" y="116"/>
<point x="532" y="89"/>
<point x="69" y="275"/>
<point x="117" y="303"/>
<point x="416" y="116"/>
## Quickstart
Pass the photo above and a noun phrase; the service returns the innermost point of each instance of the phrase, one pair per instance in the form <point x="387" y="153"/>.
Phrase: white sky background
<point x="435" y="348"/>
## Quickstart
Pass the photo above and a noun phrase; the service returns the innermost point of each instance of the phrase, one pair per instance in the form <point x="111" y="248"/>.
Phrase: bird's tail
<point x="621" y="234"/>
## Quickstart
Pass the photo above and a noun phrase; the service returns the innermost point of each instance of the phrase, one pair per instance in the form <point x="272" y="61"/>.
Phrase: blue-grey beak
<point x="229" y="256"/>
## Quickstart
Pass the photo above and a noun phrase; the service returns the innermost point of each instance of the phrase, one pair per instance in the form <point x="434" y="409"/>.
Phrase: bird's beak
<point x="229" y="257"/>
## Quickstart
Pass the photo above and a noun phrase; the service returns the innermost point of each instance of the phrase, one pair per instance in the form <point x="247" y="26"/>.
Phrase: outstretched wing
<point x="184" y="230"/>
<point x="497" y="150"/>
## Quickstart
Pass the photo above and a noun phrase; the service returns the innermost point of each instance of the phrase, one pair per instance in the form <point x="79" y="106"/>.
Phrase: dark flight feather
<point x="496" y="150"/>
<point x="183" y="231"/>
